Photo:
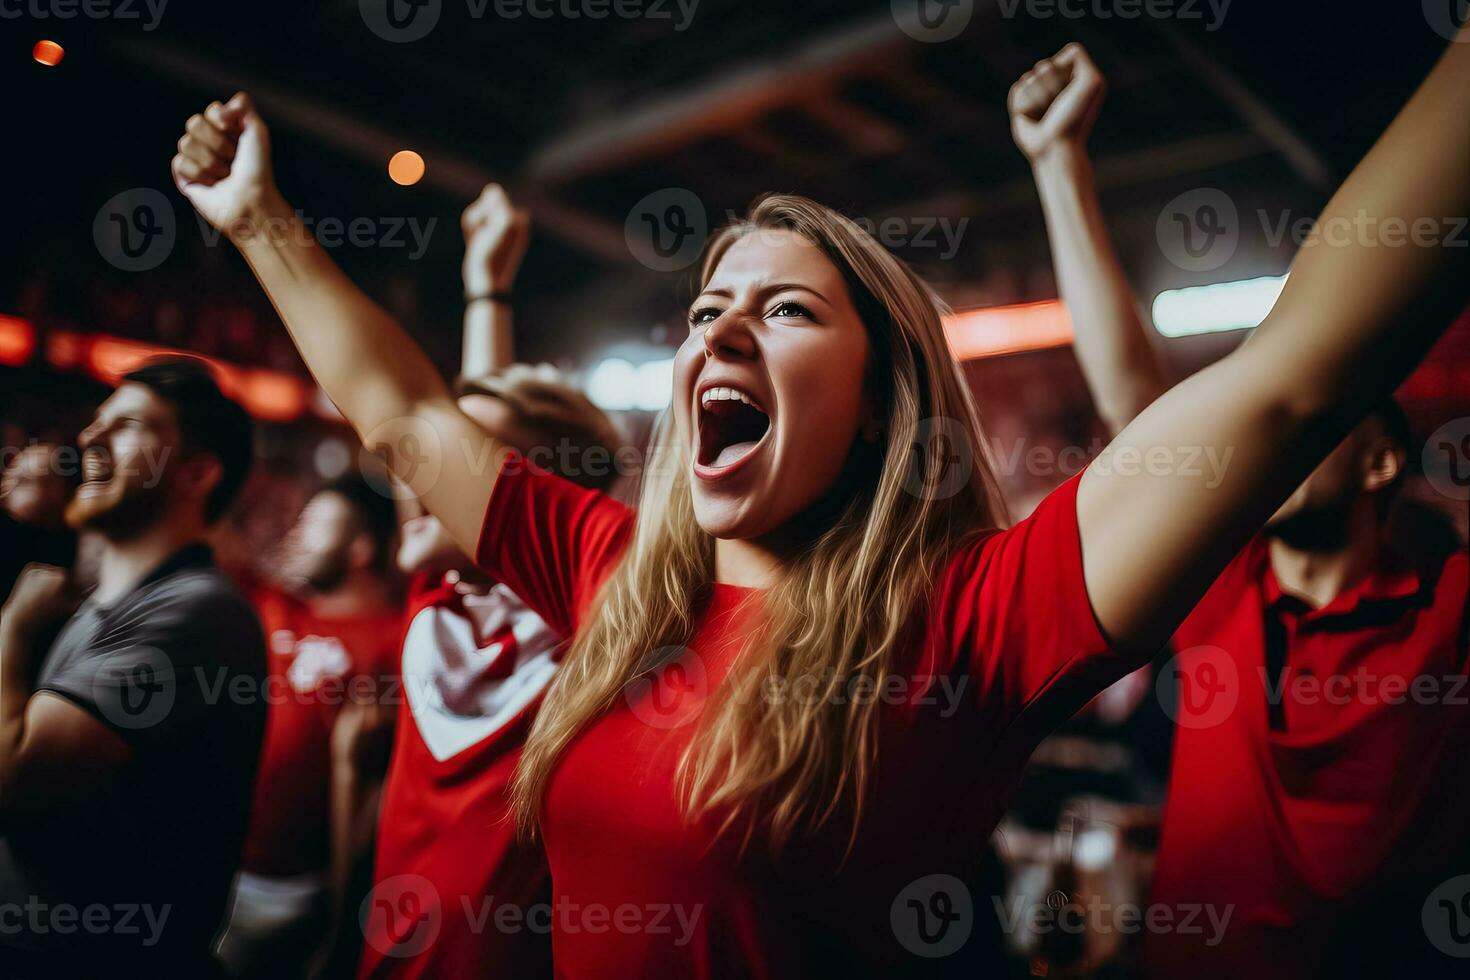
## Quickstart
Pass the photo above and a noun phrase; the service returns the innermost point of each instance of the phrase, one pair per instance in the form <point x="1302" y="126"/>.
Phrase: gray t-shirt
<point x="134" y="880"/>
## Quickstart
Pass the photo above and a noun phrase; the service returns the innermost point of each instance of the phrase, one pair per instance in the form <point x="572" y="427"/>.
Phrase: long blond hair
<point x="842" y="612"/>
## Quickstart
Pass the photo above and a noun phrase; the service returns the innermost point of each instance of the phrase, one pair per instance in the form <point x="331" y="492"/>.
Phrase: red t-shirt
<point x="448" y="861"/>
<point x="1009" y="650"/>
<point x="1310" y="784"/>
<point x="312" y="664"/>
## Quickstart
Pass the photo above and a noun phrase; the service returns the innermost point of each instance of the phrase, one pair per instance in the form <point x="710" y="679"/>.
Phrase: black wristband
<point x="493" y="297"/>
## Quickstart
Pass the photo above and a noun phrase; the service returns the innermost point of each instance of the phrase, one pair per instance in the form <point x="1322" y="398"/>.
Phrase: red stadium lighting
<point x="65" y="351"/>
<point x="17" y="340"/>
<point x="111" y="357"/>
<point x="267" y="395"/>
<point x="271" y="396"/>
<point x="1008" y="329"/>
<point x="48" y="53"/>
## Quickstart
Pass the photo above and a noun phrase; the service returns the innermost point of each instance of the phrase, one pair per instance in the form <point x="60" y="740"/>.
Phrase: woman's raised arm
<point x="380" y="380"/>
<point x="1182" y="488"/>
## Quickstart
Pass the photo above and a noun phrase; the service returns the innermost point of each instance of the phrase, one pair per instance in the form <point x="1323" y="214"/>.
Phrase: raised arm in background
<point x="1053" y="108"/>
<point x="495" y="239"/>
<point x="380" y="380"/>
<point x="1354" y="318"/>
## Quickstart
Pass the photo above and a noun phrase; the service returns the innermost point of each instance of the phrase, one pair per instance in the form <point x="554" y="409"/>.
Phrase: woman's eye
<point x="789" y="309"/>
<point x="705" y="315"/>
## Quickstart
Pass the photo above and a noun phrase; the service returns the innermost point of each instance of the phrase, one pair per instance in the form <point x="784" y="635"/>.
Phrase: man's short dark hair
<point x="208" y="422"/>
<point x="375" y="509"/>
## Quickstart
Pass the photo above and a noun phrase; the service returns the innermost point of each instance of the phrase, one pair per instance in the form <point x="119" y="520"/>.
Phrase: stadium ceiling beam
<point x="447" y="171"/>
<point x="1114" y="171"/>
<point x="1300" y="155"/>
<point x="729" y="100"/>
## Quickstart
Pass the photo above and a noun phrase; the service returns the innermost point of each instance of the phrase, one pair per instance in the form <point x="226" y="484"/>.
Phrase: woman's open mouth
<point x="732" y="426"/>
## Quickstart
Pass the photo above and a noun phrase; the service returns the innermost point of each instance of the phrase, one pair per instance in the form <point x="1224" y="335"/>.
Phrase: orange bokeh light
<point x="17" y="340"/>
<point x="406" y="167"/>
<point x="48" y="53"/>
<point x="1008" y="329"/>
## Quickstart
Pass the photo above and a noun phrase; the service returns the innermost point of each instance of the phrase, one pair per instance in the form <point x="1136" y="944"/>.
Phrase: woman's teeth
<point x="726" y="394"/>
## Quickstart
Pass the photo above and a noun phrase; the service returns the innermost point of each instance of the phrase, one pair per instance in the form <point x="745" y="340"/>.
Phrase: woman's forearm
<point x="366" y="362"/>
<point x="488" y="344"/>
<point x="1123" y="371"/>
<point x="1369" y="294"/>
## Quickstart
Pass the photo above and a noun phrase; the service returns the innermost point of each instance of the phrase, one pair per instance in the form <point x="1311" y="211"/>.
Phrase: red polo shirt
<point x="1321" y="762"/>
<point x="1005" y="649"/>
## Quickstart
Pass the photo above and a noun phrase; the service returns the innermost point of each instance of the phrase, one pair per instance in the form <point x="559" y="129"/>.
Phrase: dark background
<point x="582" y="118"/>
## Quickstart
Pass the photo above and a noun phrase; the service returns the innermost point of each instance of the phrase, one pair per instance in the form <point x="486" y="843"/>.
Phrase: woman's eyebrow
<point x="764" y="291"/>
<point x="781" y="287"/>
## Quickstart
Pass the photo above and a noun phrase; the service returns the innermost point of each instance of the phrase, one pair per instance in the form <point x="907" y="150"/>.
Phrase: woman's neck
<point x="750" y="564"/>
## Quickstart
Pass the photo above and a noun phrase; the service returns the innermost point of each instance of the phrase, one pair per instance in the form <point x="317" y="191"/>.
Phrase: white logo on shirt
<point x="317" y="658"/>
<point x="456" y="697"/>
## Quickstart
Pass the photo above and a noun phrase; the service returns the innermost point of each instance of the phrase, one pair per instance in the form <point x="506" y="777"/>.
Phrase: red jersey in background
<point x="455" y="893"/>
<point x="314" y="666"/>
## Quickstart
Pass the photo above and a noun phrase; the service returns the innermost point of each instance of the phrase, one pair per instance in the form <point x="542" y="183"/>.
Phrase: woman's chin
<point x="728" y="518"/>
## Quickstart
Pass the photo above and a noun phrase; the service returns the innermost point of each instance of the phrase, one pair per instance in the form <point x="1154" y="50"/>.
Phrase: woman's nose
<point x="729" y="336"/>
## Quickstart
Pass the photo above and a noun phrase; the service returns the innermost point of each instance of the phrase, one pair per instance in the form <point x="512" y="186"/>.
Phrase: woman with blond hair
<point x="806" y="675"/>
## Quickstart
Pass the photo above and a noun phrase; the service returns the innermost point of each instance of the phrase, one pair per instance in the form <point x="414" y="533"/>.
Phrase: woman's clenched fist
<point x="223" y="165"/>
